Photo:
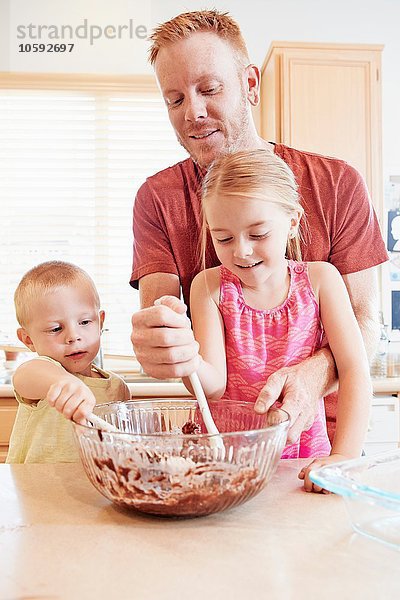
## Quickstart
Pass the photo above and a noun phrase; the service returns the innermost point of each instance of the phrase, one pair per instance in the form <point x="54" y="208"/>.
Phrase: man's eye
<point x="176" y="102"/>
<point x="212" y="89"/>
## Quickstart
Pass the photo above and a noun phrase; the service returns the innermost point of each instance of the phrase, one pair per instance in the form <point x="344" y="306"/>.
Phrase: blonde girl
<point x="264" y="309"/>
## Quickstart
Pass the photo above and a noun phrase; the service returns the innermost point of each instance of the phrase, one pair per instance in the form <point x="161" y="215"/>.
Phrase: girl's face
<point x="250" y="236"/>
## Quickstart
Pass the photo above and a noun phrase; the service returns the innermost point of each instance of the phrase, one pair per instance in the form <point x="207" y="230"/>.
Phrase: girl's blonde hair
<point x="44" y="278"/>
<point x="185" y="24"/>
<point x="252" y="174"/>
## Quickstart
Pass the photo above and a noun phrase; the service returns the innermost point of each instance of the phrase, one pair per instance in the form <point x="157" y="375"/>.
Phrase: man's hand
<point x="309" y="486"/>
<point x="299" y="388"/>
<point x="163" y="339"/>
<point x="72" y="398"/>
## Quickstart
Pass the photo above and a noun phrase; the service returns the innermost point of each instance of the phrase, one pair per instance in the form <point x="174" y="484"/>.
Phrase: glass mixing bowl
<point x="164" y="463"/>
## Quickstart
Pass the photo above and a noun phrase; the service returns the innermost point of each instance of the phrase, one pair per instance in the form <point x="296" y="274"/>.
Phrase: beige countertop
<point x="142" y="389"/>
<point x="60" y="539"/>
<point x="147" y="386"/>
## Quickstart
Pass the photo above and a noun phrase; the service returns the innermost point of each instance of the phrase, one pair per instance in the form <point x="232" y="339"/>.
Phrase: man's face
<point x="206" y="96"/>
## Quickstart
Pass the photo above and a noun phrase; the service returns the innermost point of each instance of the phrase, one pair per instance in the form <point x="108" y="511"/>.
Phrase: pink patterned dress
<point x="259" y="342"/>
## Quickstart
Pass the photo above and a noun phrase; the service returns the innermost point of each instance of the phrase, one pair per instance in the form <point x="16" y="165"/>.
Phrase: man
<point x="209" y="87"/>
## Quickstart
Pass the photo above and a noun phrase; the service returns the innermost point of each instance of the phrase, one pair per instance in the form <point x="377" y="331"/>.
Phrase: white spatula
<point x="211" y="427"/>
<point x="102" y="424"/>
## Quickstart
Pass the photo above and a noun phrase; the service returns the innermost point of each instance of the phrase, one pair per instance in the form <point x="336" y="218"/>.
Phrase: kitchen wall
<point x="352" y="21"/>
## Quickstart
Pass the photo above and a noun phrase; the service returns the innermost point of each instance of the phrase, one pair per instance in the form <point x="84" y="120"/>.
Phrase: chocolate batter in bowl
<point x="163" y="463"/>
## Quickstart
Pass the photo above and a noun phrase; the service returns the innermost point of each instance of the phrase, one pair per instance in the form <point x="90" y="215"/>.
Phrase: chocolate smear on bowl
<point x="191" y="428"/>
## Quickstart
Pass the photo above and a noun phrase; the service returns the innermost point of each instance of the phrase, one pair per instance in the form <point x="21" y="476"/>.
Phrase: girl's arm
<point x="347" y="346"/>
<point x="208" y="330"/>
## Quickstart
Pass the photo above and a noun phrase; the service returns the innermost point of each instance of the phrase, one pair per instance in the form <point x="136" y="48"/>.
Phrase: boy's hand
<point x="309" y="486"/>
<point x="71" y="397"/>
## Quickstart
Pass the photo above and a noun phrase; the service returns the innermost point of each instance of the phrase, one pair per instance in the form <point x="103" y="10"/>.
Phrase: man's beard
<point x="234" y="141"/>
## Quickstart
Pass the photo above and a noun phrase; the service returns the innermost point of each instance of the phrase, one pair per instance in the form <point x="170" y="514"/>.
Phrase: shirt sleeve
<point x="357" y="242"/>
<point x="152" y="252"/>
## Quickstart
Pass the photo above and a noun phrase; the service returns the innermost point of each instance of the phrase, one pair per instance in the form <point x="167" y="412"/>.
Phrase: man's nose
<point x="195" y="107"/>
<point x="243" y="248"/>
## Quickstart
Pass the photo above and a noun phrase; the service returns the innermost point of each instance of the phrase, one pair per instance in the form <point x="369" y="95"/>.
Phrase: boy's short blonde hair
<point x="212" y="21"/>
<point x="42" y="279"/>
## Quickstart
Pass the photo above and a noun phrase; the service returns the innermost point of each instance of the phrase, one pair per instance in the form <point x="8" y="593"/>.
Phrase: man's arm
<point x="362" y="288"/>
<point x="156" y="285"/>
<point x="300" y="387"/>
<point x="162" y="338"/>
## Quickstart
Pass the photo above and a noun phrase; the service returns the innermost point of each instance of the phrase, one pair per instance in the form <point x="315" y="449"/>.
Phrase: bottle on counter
<point x="393" y="359"/>
<point x="379" y="363"/>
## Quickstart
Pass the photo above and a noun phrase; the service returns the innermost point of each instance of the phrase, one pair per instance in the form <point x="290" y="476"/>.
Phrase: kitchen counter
<point x="142" y="386"/>
<point x="60" y="539"/>
<point x="142" y="389"/>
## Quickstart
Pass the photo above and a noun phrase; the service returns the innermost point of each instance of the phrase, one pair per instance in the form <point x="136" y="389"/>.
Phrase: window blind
<point x="71" y="162"/>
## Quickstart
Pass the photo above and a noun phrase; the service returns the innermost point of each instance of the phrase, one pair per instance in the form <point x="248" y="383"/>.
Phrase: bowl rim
<point x="190" y="402"/>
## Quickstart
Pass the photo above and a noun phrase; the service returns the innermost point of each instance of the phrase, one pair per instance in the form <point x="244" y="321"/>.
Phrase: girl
<point x="264" y="309"/>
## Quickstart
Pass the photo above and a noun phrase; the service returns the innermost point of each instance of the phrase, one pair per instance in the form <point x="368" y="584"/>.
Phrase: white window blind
<point x="71" y="162"/>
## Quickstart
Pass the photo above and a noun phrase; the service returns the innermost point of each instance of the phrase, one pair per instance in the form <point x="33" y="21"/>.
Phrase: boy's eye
<point x="55" y="329"/>
<point x="85" y="321"/>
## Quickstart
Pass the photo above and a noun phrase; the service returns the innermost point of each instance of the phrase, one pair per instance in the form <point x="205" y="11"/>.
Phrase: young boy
<point x="58" y="309"/>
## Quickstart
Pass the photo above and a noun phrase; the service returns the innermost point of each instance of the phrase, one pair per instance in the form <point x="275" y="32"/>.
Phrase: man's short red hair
<point x="186" y="24"/>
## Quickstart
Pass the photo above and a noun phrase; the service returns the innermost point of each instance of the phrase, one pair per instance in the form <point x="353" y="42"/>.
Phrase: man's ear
<point x="253" y="79"/>
<point x="23" y="337"/>
<point x="296" y="218"/>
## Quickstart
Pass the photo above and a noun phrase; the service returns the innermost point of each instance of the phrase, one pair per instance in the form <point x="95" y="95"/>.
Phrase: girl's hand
<point x="72" y="398"/>
<point x="309" y="486"/>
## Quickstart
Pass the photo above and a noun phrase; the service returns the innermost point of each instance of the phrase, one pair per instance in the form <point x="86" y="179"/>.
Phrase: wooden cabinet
<point x="8" y="410"/>
<point x="326" y="98"/>
<point x="384" y="424"/>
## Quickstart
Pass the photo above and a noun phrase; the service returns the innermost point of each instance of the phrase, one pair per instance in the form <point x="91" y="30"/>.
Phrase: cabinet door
<point x="384" y="426"/>
<point x="327" y="100"/>
<point x="8" y="410"/>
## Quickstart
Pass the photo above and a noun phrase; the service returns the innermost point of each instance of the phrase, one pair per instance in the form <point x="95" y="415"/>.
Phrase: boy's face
<point x="65" y="324"/>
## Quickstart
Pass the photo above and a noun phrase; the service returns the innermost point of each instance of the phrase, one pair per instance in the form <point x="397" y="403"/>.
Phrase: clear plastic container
<point x="370" y="487"/>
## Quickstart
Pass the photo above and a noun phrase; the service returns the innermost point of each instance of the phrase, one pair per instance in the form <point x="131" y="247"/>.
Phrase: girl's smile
<point x="250" y="237"/>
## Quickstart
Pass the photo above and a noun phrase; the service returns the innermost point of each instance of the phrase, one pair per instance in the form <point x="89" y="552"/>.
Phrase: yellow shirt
<point x="42" y="434"/>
